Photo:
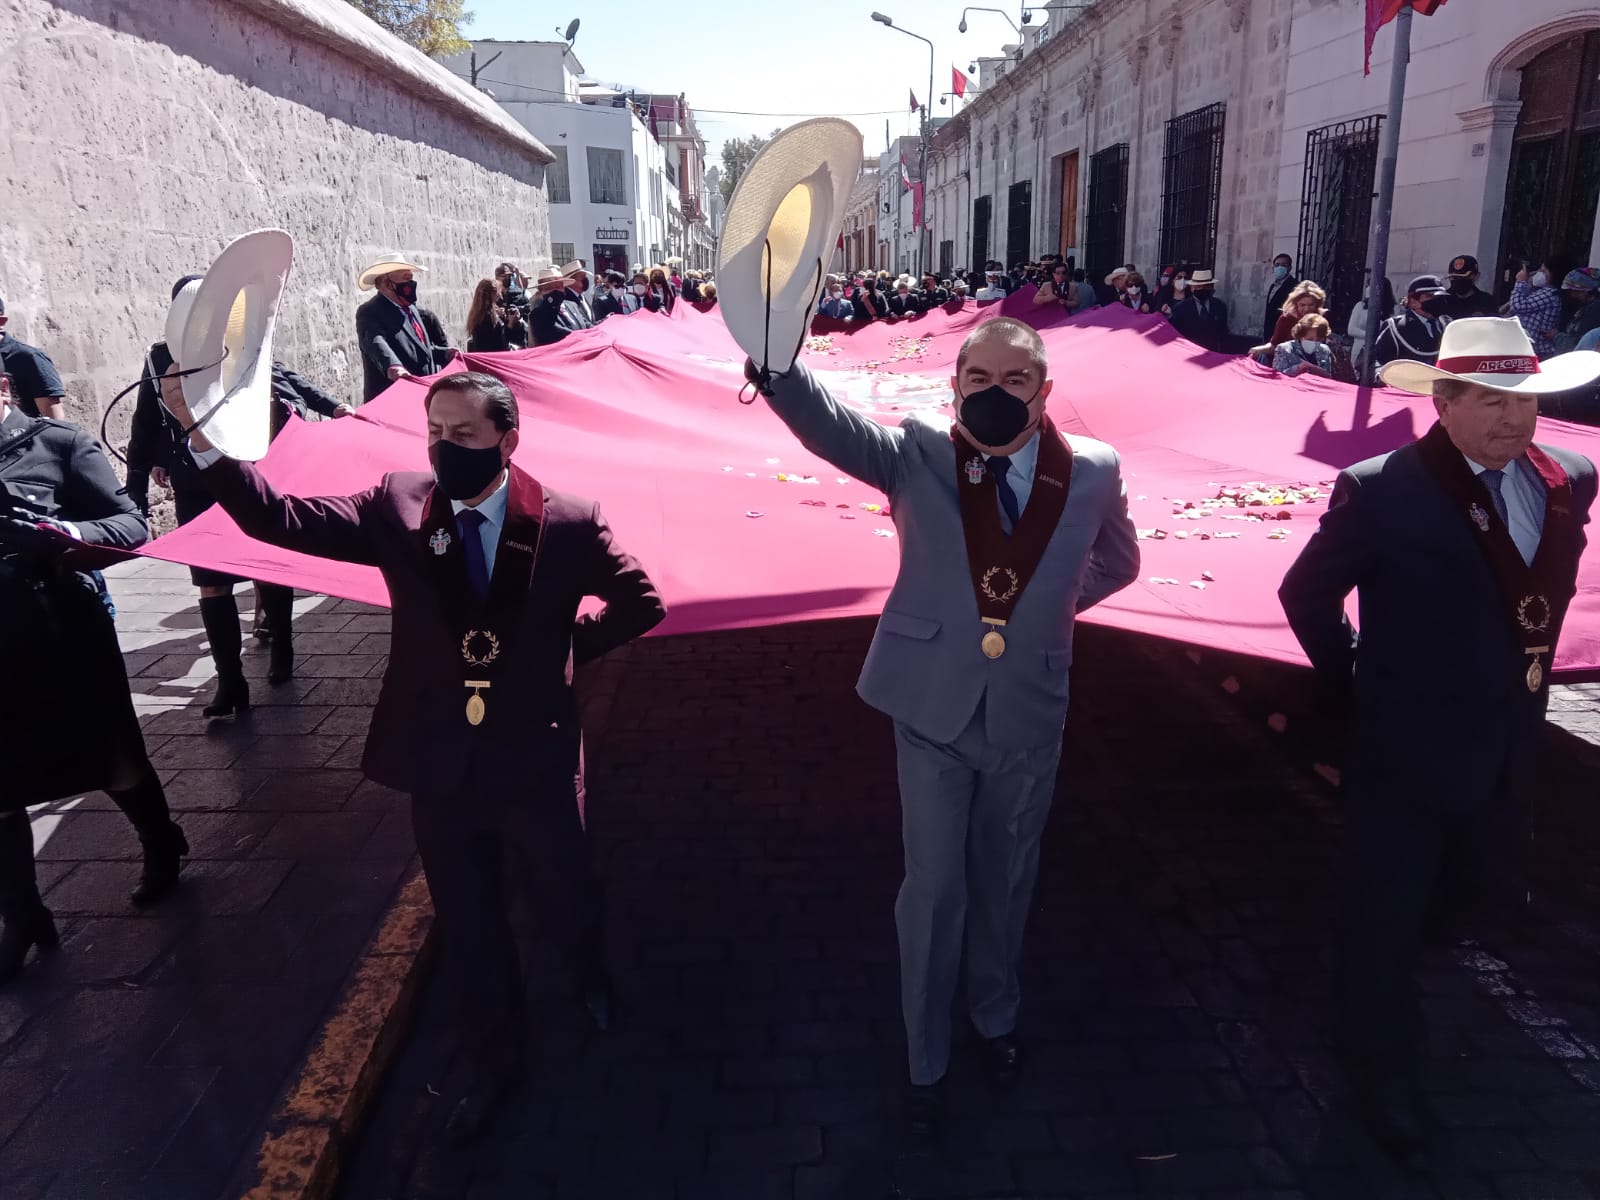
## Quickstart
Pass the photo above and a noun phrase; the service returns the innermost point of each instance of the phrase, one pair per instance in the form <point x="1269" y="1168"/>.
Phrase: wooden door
<point x="1069" y="203"/>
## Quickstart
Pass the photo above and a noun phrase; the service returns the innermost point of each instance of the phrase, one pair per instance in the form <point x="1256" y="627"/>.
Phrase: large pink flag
<point x="740" y="526"/>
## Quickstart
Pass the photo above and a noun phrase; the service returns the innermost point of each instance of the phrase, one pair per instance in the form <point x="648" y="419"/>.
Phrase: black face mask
<point x="1463" y="287"/>
<point x="1435" y="306"/>
<point x="994" y="417"/>
<point x="462" y="472"/>
<point x="407" y="291"/>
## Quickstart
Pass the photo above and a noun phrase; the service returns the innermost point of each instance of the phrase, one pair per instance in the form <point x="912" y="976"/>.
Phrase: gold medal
<point x="993" y="644"/>
<point x="1535" y="674"/>
<point x="475" y="701"/>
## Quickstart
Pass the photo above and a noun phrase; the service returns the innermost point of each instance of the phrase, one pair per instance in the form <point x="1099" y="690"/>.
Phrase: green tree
<point x="432" y="26"/>
<point x="736" y="156"/>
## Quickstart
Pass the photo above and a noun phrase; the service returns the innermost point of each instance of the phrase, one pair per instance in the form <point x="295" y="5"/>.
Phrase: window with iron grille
<point x="561" y="253"/>
<point x="1192" y="187"/>
<point x="947" y="251"/>
<point x="980" y="232"/>
<point x="1336" y="210"/>
<point x="556" y="180"/>
<point x="1019" y="221"/>
<point x="1106" y="222"/>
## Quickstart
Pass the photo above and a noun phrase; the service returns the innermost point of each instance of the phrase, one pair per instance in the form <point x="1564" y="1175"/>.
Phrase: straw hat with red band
<point x="1493" y="352"/>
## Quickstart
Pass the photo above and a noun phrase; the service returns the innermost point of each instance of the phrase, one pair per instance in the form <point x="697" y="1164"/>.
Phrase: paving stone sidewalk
<point x="1176" y="978"/>
<point x="144" y="1059"/>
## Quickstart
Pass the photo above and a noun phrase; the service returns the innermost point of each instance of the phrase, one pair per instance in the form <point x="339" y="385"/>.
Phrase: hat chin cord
<point x="156" y="381"/>
<point x="760" y="377"/>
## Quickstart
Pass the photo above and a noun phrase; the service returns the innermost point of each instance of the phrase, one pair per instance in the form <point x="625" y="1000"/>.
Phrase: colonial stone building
<point x="1223" y="132"/>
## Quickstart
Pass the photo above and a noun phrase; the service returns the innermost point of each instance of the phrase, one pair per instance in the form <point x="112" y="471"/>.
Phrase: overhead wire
<point x="566" y="98"/>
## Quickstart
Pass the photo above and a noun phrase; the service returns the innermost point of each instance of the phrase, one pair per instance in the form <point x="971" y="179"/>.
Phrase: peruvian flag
<point x="1381" y="12"/>
<point x="958" y="82"/>
<point x="914" y="104"/>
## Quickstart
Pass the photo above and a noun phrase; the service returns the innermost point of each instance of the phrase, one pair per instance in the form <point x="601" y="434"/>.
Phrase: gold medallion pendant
<point x="1535" y="674"/>
<point x="475" y="706"/>
<point x="993" y="644"/>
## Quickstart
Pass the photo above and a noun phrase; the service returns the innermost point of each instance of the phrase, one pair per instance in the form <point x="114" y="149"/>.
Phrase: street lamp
<point x="925" y="244"/>
<point x="1027" y="17"/>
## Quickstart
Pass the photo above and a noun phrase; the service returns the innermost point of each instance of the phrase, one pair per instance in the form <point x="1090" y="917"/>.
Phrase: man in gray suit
<point x="1464" y="548"/>
<point x="1008" y="529"/>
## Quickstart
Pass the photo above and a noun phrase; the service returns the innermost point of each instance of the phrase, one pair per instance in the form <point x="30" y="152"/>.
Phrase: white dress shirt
<point x="494" y="519"/>
<point x="1020" y="476"/>
<point x="1524" y="497"/>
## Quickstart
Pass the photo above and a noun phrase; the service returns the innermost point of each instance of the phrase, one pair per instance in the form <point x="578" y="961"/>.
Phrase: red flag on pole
<point x="958" y="82"/>
<point x="914" y="104"/>
<point x="1381" y="12"/>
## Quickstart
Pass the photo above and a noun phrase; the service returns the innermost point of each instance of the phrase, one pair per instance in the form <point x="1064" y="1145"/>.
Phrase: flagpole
<point x="1383" y="209"/>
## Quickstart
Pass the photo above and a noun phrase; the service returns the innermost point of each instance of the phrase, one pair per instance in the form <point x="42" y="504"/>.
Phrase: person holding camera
<point x="494" y="323"/>
<point x="57" y="491"/>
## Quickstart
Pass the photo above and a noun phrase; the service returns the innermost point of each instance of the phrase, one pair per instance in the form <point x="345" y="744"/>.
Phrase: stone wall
<point x="141" y="136"/>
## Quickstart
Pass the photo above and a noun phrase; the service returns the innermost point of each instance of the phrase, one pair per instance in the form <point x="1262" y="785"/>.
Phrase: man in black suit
<point x="476" y="720"/>
<point x="1202" y="318"/>
<point x="612" y="298"/>
<point x="1413" y="333"/>
<point x="1278" y="290"/>
<point x="65" y="705"/>
<point x="1463" y="548"/>
<point x="904" y="302"/>
<point x="397" y="337"/>
<point x="554" y="314"/>
<point x="1465" y="298"/>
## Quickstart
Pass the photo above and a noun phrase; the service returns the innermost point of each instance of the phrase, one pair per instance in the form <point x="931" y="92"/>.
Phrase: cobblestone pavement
<point x="1176" y="982"/>
<point x="144" y="1058"/>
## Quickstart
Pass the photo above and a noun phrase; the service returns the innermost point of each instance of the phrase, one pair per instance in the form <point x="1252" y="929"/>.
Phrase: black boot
<point x="145" y="805"/>
<point x="278" y="605"/>
<point x="220" y="615"/>
<point x="27" y="921"/>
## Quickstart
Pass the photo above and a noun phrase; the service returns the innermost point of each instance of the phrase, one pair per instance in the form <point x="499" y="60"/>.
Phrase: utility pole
<point x="1383" y="210"/>
<point x="474" y="68"/>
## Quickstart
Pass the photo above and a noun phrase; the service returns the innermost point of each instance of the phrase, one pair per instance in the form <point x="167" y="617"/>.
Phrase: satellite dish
<point x="572" y="30"/>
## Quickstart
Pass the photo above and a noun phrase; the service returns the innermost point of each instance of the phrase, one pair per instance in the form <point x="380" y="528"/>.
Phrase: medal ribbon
<point x="1001" y="567"/>
<point x="494" y="622"/>
<point x="1535" y="596"/>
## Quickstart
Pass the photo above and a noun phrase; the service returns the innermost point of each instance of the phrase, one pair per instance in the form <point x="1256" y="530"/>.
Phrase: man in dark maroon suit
<point x="476" y="718"/>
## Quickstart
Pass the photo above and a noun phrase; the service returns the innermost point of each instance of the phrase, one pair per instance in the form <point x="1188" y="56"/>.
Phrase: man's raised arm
<point x="853" y="443"/>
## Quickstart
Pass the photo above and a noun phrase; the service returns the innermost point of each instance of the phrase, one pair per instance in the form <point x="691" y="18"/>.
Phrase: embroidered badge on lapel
<point x="1480" y="518"/>
<point x="439" y="542"/>
<point x="975" y="471"/>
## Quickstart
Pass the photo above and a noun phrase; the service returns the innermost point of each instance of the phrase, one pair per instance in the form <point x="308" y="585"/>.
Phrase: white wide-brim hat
<point x="780" y="228"/>
<point x="222" y="323"/>
<point x="1493" y="352"/>
<point x="372" y="273"/>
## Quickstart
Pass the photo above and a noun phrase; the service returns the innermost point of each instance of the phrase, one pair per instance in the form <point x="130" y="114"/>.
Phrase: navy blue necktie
<point x="470" y="522"/>
<point x="1494" y="480"/>
<point x="999" y="467"/>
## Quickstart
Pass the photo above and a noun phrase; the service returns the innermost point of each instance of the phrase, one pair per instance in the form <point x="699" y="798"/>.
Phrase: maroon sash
<point x="1002" y="566"/>
<point x="485" y="630"/>
<point x="1535" y="596"/>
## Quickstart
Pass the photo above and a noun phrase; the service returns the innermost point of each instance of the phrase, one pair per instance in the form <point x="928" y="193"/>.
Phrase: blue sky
<point x="736" y="57"/>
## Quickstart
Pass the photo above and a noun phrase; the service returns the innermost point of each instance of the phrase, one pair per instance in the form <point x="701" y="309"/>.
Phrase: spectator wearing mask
<point x="1465" y="298"/>
<point x="1357" y="328"/>
<point x="1580" y="298"/>
<point x="1110" y="291"/>
<point x="1280" y="286"/>
<point x="487" y="330"/>
<point x="1058" y="291"/>
<point x="1304" y="299"/>
<point x="833" y="303"/>
<point x="933" y="292"/>
<point x="397" y="337"/>
<point x="1164" y="293"/>
<point x="993" y="288"/>
<point x="613" y="299"/>
<point x="1180" y="292"/>
<point x="660" y="297"/>
<point x="1307" y="353"/>
<point x="1203" y="318"/>
<point x="578" y="285"/>
<point x="1536" y="302"/>
<point x="1136" y="295"/>
<point x="554" y="317"/>
<point x="639" y="291"/>
<point x="868" y="304"/>
<point x="904" y="302"/>
<point x="1414" y="332"/>
<point x="36" y="388"/>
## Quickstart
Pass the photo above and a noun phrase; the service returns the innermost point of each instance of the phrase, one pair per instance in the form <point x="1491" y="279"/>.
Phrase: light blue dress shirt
<point x="1020" y="477"/>
<point x="494" y="519"/>
<point x="1524" y="497"/>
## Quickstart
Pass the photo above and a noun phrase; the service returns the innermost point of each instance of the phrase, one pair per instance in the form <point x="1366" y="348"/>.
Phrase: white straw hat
<point x="222" y="323"/>
<point x="1494" y="352"/>
<point x="780" y="229"/>
<point x="389" y="262"/>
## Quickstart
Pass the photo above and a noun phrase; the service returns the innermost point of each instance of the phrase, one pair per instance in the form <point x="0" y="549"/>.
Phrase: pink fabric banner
<point x="741" y="527"/>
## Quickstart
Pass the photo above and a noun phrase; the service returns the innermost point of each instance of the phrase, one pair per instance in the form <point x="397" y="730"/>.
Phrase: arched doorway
<point x="1554" y="179"/>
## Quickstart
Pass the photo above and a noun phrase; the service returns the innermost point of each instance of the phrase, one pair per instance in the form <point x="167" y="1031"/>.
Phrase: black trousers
<point x="1412" y="870"/>
<point x="476" y="844"/>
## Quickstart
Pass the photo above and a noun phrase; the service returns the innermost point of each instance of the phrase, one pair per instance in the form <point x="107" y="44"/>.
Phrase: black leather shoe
<point x="280" y="667"/>
<point x="232" y="700"/>
<point x="20" y="936"/>
<point x="163" y="860"/>
<point x="473" y="1112"/>
<point x="1002" y="1060"/>
<point x="1393" y="1115"/>
<point x="925" y="1106"/>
